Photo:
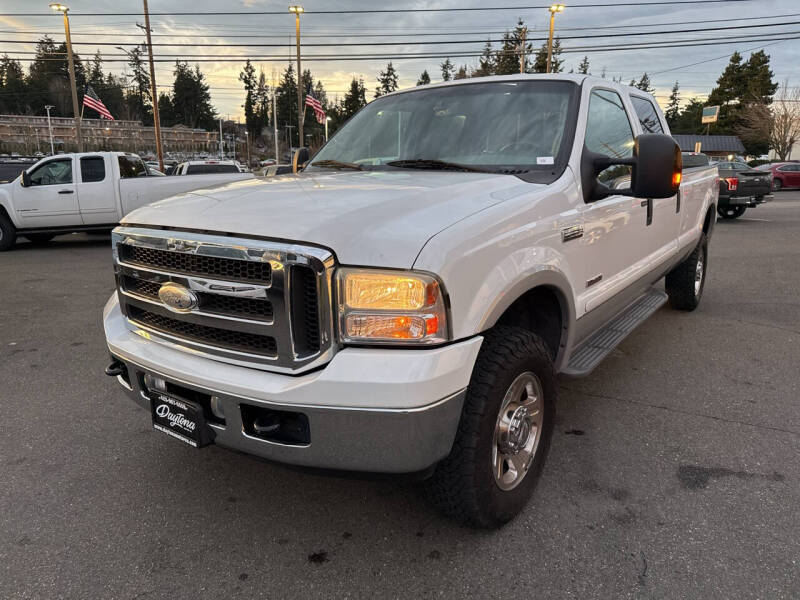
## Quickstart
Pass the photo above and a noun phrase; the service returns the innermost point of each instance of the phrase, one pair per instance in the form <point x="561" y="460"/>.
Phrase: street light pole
<point x="50" y="129"/>
<point x="555" y="8"/>
<point x="71" y="62"/>
<point x="154" y="93"/>
<point x="326" y="128"/>
<point x="297" y="10"/>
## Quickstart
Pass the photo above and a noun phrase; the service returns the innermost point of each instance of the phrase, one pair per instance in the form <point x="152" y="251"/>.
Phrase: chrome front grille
<point x="256" y="303"/>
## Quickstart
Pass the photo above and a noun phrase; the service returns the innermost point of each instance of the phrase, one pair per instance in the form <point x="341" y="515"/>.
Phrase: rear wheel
<point x="731" y="212"/>
<point x="8" y="234"/>
<point x="685" y="283"/>
<point x="504" y="432"/>
<point x="40" y="238"/>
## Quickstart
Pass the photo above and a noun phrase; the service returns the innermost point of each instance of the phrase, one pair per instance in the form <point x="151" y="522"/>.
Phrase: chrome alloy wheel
<point x="517" y="431"/>
<point x="698" y="274"/>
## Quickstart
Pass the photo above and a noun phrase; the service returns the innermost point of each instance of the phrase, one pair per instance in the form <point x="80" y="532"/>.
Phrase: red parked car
<point x="784" y="175"/>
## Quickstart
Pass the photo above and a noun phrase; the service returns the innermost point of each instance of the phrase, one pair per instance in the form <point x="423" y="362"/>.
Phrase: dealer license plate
<point x="180" y="419"/>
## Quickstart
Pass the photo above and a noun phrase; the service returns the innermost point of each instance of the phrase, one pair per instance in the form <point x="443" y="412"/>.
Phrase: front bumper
<point x="376" y="410"/>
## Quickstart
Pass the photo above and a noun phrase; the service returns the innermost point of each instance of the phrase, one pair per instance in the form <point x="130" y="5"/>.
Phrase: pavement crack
<point x="680" y="411"/>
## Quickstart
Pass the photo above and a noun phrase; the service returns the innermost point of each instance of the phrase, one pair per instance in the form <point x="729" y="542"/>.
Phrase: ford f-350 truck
<point x="405" y="303"/>
<point x="89" y="191"/>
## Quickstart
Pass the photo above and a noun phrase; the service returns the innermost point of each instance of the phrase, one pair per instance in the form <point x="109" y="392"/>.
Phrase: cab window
<point x="648" y="115"/>
<point x="54" y="172"/>
<point x="93" y="168"/>
<point x="131" y="166"/>
<point x="609" y="132"/>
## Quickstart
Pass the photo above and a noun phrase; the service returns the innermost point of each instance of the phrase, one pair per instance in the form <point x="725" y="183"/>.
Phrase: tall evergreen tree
<point x="191" y="99"/>
<point x="486" y="63"/>
<point x="424" y="78"/>
<point x="354" y="100"/>
<point x="387" y="81"/>
<point x="644" y="84"/>
<point x="583" y="68"/>
<point x="461" y="73"/>
<point x="262" y="105"/>
<point x="674" y="106"/>
<point x="138" y="97"/>
<point x="248" y="78"/>
<point x="556" y="62"/>
<point x="448" y="70"/>
<point x="13" y="88"/>
<point x="508" y="57"/>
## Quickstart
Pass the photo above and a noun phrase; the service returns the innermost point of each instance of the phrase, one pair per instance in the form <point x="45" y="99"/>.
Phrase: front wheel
<point x="8" y="234"/>
<point x="685" y="283"/>
<point x="731" y="212"/>
<point x="504" y="433"/>
<point x="777" y="184"/>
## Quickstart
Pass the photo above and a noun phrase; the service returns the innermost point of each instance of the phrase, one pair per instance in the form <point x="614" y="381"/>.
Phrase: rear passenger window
<point x="131" y="166"/>
<point x="648" y="115"/>
<point x="608" y="132"/>
<point x="93" y="168"/>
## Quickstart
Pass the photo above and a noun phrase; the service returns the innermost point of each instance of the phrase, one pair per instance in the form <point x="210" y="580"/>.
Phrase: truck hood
<point x="372" y="218"/>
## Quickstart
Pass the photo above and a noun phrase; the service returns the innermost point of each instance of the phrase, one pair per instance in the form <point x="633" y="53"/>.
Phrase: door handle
<point x="65" y="191"/>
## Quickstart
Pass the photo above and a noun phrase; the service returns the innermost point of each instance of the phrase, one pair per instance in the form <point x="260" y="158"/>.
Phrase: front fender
<point x="6" y="204"/>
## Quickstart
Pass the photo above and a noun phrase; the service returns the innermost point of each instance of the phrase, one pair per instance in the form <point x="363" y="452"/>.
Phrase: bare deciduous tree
<point x="777" y="123"/>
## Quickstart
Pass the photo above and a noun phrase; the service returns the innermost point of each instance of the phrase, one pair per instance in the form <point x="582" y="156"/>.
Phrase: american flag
<point x="92" y="100"/>
<point x="317" y="106"/>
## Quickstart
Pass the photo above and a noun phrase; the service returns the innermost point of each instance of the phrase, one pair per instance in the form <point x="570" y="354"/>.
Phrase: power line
<point x="427" y="43"/>
<point x="361" y="33"/>
<point x="395" y="57"/>
<point x="386" y="10"/>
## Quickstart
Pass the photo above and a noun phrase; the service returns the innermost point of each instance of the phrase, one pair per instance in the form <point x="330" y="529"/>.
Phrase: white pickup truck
<point x="90" y="191"/>
<point x="405" y="303"/>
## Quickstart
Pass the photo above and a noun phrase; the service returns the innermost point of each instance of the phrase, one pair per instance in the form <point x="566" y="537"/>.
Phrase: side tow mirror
<point x="26" y="179"/>
<point x="300" y="158"/>
<point x="656" y="163"/>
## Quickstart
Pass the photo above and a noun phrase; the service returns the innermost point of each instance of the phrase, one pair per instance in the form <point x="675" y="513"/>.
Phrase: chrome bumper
<point x="354" y="439"/>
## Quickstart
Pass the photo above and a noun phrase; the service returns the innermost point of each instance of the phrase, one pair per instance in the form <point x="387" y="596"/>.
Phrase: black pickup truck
<point x="741" y="187"/>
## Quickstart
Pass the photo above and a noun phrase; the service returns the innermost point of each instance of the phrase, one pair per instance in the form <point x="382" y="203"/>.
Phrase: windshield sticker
<point x="544" y="160"/>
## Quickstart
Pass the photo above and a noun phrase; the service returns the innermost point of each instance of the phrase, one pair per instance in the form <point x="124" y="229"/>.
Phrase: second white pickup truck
<point x="405" y="303"/>
<point x="86" y="192"/>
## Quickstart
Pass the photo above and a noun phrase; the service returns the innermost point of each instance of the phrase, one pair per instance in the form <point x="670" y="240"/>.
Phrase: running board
<point x="595" y="348"/>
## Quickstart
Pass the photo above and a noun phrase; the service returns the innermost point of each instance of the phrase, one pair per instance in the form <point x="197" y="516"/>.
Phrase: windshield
<point x="493" y="126"/>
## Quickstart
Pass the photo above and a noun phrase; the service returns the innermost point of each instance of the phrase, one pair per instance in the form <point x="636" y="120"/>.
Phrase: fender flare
<point x="544" y="276"/>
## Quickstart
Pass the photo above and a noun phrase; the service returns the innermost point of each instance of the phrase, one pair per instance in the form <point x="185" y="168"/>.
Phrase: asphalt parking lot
<point x="674" y="470"/>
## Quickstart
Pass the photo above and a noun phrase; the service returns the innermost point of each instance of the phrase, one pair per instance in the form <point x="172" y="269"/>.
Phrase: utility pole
<point x="275" y="123"/>
<point x="221" y="151"/>
<point x="64" y="10"/>
<point x="300" y="112"/>
<point x="154" y="93"/>
<point x="50" y="129"/>
<point x="247" y="146"/>
<point x="523" y="33"/>
<point x="555" y="8"/>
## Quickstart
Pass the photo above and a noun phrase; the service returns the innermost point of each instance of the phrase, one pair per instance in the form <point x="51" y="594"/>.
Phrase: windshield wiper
<point x="433" y="164"/>
<point x="337" y="164"/>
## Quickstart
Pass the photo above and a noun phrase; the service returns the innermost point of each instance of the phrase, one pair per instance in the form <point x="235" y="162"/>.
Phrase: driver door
<point x="52" y="198"/>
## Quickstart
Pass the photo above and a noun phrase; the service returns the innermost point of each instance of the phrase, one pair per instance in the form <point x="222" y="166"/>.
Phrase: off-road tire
<point x="731" y="212"/>
<point x="38" y="239"/>
<point x="8" y="234"/>
<point x="680" y="282"/>
<point x="463" y="485"/>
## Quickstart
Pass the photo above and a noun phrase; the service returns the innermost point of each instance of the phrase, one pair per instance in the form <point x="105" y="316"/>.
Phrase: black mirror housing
<point x="658" y="168"/>
<point x="25" y="179"/>
<point x="656" y="164"/>
<point x="300" y="158"/>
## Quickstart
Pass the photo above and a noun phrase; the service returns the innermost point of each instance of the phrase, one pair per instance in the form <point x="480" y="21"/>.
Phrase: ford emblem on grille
<point x="177" y="298"/>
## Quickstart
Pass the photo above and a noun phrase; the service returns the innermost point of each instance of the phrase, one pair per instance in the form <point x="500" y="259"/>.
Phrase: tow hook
<point x="115" y="369"/>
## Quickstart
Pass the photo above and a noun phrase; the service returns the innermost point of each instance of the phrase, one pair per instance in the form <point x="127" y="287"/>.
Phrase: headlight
<point x="390" y="307"/>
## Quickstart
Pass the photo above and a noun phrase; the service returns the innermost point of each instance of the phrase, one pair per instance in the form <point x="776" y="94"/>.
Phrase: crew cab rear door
<point x="51" y="200"/>
<point x="96" y="195"/>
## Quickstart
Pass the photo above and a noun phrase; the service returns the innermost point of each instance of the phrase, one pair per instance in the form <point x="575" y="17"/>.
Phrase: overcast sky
<point x="665" y="65"/>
